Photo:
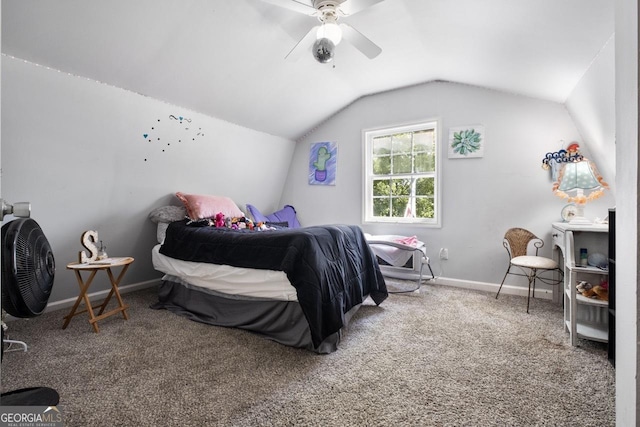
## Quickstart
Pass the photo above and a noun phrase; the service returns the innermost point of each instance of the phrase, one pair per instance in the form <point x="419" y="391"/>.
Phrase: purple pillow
<point x="286" y="214"/>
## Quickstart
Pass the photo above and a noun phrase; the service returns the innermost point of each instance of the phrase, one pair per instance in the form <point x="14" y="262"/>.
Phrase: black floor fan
<point x="28" y="269"/>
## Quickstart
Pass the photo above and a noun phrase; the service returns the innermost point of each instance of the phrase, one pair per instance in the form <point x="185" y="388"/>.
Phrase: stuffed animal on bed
<point x="219" y="222"/>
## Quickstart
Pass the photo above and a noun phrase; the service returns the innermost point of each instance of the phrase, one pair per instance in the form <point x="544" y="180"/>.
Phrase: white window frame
<point x="367" y="203"/>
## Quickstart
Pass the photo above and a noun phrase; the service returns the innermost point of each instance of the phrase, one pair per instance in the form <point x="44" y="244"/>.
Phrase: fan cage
<point x="28" y="268"/>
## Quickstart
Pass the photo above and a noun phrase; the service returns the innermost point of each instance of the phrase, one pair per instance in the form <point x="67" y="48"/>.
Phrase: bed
<point x="299" y="287"/>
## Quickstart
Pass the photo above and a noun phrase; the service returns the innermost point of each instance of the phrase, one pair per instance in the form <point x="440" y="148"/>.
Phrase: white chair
<point x="516" y="241"/>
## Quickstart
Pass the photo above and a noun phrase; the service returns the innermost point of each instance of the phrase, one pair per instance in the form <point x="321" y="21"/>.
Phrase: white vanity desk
<point x="583" y="317"/>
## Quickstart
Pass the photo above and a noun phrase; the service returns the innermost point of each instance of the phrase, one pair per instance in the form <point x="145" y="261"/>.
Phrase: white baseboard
<point x="492" y="287"/>
<point x="445" y="281"/>
<point x="68" y="303"/>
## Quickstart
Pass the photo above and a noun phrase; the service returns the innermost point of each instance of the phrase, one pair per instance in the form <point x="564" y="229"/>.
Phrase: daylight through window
<point x="401" y="182"/>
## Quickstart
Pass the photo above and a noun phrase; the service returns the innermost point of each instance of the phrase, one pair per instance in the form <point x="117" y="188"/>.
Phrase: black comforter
<point x="331" y="267"/>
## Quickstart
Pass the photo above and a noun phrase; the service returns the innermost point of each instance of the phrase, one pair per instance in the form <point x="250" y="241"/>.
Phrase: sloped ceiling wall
<point x="592" y="108"/>
<point x="90" y="156"/>
<point x="225" y="58"/>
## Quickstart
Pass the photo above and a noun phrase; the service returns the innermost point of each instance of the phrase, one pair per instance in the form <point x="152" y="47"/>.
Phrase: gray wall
<point x="481" y="198"/>
<point x="75" y="149"/>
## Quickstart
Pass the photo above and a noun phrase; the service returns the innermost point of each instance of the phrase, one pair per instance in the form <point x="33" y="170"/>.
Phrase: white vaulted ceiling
<point x="225" y="58"/>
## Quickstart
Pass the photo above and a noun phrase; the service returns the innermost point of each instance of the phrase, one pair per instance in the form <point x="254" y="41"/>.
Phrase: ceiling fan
<point x="325" y="37"/>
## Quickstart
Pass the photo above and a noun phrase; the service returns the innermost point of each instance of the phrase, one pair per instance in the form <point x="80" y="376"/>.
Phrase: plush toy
<point x="586" y="289"/>
<point x="601" y="293"/>
<point x="604" y="283"/>
<point x="219" y="222"/>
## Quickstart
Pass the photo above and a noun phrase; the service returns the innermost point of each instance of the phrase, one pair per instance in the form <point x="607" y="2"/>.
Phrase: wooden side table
<point x="93" y="268"/>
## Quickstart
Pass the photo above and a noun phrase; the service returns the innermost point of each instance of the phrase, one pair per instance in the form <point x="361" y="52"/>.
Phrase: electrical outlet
<point x="444" y="253"/>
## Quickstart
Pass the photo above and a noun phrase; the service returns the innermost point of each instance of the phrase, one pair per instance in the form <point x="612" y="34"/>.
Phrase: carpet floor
<point x="441" y="357"/>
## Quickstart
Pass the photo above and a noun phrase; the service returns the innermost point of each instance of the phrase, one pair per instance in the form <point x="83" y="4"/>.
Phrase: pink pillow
<point x="202" y="206"/>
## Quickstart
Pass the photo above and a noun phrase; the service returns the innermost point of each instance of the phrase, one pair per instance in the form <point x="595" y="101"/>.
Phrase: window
<point x="401" y="174"/>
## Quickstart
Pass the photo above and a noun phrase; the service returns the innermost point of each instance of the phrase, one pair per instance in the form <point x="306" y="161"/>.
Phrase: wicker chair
<point x="516" y="241"/>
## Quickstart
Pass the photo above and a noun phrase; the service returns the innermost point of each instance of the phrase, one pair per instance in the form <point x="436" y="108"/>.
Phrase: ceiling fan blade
<point x="359" y="41"/>
<point x="349" y="7"/>
<point x="304" y="45"/>
<point x="294" y="5"/>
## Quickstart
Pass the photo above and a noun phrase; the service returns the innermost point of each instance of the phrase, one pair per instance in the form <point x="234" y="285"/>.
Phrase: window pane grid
<point x="402" y="174"/>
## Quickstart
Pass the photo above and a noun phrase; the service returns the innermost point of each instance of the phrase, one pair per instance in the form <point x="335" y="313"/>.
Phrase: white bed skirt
<point x="230" y="280"/>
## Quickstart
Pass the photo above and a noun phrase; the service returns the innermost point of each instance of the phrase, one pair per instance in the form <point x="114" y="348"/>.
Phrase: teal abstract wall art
<point x="323" y="158"/>
<point x="466" y="142"/>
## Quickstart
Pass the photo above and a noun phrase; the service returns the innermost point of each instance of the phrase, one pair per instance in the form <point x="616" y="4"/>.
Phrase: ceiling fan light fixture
<point x="326" y="36"/>
<point x="331" y="31"/>
<point x="323" y="50"/>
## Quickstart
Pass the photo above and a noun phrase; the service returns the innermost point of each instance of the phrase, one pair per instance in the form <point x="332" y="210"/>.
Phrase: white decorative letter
<point x="88" y="239"/>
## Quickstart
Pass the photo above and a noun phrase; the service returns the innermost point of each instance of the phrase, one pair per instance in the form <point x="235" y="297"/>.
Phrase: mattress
<point x="246" y="282"/>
